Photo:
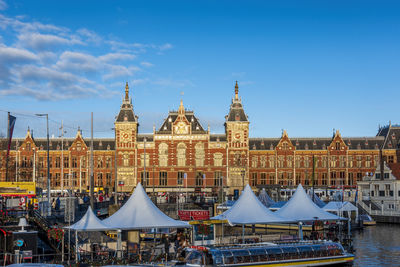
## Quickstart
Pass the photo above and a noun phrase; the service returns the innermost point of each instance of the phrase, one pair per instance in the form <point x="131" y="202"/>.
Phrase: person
<point x="53" y="204"/>
<point x="165" y="241"/>
<point x="58" y="202"/>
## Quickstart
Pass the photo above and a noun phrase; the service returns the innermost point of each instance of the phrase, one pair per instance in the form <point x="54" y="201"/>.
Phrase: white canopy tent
<point x="139" y="212"/>
<point x="249" y="210"/>
<point x="265" y="198"/>
<point x="339" y="207"/>
<point x="89" y="222"/>
<point x="300" y="207"/>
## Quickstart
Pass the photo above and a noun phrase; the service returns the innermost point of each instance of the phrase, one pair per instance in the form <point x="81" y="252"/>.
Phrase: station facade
<point x="181" y="155"/>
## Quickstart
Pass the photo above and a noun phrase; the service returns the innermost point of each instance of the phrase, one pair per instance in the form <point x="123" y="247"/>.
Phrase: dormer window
<point x="306" y="146"/>
<point x="271" y="147"/>
<point x="237" y="117"/>
<point x="358" y="146"/>
<point x="58" y="147"/>
<point x="323" y="146"/>
<point x="337" y="145"/>
<point x="108" y="147"/>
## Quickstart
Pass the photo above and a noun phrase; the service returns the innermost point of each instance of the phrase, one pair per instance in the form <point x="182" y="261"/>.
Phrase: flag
<point x="11" y="123"/>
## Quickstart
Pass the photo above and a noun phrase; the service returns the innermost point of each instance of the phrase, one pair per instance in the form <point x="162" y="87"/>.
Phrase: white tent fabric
<point x="338" y="206"/>
<point x="249" y="210"/>
<point x="316" y="199"/>
<point x="139" y="212"/>
<point x="300" y="207"/>
<point x="89" y="222"/>
<point x="265" y="199"/>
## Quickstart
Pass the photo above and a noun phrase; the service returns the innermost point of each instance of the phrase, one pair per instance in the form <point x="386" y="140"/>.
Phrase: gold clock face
<point x="125" y="136"/>
<point x="181" y="128"/>
<point x="237" y="135"/>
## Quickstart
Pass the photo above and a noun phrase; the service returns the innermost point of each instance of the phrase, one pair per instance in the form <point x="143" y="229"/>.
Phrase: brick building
<point x="183" y="155"/>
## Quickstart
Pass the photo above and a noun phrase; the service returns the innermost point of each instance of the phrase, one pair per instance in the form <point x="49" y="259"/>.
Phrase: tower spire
<point x="181" y="110"/>
<point x="236" y="91"/>
<point x="126" y="92"/>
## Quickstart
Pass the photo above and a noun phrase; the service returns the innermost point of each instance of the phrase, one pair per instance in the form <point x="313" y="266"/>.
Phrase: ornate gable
<point x="285" y="143"/>
<point x="337" y="143"/>
<point x="78" y="144"/>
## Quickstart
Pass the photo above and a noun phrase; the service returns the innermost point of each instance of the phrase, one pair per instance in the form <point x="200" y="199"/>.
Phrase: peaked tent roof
<point x="89" y="222"/>
<point x="249" y="210"/>
<point x="316" y="199"/>
<point x="265" y="199"/>
<point x="139" y="212"/>
<point x="300" y="207"/>
<point x="340" y="206"/>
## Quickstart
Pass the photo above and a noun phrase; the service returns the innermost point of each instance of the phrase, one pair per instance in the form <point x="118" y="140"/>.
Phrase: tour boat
<point x="367" y="220"/>
<point x="312" y="253"/>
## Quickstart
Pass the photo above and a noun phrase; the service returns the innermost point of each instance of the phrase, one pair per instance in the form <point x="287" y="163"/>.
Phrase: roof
<point x="89" y="222"/>
<point x="236" y="111"/>
<point x="196" y="127"/>
<point x="340" y="206"/>
<point x="318" y="143"/>
<point x="139" y="212"/>
<point x="249" y="210"/>
<point x="300" y="207"/>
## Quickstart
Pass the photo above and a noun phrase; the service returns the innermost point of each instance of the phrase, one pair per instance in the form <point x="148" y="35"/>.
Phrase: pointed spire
<point x="236" y="91"/>
<point x="181" y="110"/>
<point x="126" y="92"/>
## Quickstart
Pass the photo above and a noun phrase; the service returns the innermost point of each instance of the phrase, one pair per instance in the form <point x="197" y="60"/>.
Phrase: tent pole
<point x="242" y="233"/>
<point x="119" y="244"/>
<point x="300" y="230"/>
<point x="76" y="246"/>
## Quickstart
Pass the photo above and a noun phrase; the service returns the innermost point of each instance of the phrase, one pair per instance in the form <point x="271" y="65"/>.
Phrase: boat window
<point x="241" y="255"/>
<point x="217" y="257"/>
<point x="274" y="254"/>
<point x="258" y="254"/>
<point x="305" y="251"/>
<point x="335" y="249"/>
<point x="228" y="257"/>
<point x="194" y="257"/>
<point x="290" y="252"/>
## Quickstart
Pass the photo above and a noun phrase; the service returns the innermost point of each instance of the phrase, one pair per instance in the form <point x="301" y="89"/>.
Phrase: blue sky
<point x="305" y="66"/>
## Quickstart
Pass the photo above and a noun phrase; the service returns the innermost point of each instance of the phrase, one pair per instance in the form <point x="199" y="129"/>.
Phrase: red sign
<point x="197" y="215"/>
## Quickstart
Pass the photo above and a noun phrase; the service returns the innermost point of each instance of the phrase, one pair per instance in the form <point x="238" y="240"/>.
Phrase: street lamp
<point x="48" y="164"/>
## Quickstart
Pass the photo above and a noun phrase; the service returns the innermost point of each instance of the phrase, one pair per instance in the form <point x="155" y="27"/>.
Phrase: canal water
<point x="377" y="245"/>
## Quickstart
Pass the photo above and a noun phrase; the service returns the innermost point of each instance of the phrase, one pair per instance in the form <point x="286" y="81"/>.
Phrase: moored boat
<point x="317" y="253"/>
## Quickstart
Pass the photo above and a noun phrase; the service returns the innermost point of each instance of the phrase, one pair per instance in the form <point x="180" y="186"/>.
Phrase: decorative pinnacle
<point x="236" y="91"/>
<point x="126" y="92"/>
<point x="181" y="109"/>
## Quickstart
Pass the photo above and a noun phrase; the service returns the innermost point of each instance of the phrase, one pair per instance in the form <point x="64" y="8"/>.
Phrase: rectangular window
<point x="144" y="179"/>
<point x="181" y="176"/>
<point x="342" y="162"/>
<point x="297" y="163"/>
<point x="58" y="162"/>
<point x="368" y="162"/>
<point x="359" y="176"/>
<point x="333" y="162"/>
<point x="253" y="179"/>
<point x="108" y="179"/>
<point x="74" y="162"/>
<point x="254" y="162"/>
<point x="66" y="162"/>
<point x="163" y="178"/>
<point x="263" y="178"/>
<point x="298" y="178"/>
<point x="108" y="162"/>
<point x="99" y="180"/>
<point x="390" y="159"/>
<point x="351" y="182"/>
<point x="381" y="193"/>
<point x="350" y="162"/>
<point x="218" y="178"/>
<point x="199" y="178"/>
<point x="272" y="178"/>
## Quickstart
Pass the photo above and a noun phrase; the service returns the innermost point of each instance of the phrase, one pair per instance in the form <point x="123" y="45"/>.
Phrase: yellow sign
<point x="17" y="189"/>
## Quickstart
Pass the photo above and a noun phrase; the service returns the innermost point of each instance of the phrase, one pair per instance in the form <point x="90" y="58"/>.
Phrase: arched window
<point x="218" y="159"/>
<point x="163" y="154"/>
<point x="200" y="154"/>
<point x="181" y="154"/>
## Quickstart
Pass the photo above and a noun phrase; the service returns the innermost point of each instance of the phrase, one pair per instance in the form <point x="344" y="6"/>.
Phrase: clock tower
<point x="237" y="136"/>
<point x="126" y="126"/>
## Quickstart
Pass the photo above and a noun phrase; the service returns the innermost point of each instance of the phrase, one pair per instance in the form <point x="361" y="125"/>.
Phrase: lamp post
<point x="115" y="169"/>
<point x="48" y="164"/>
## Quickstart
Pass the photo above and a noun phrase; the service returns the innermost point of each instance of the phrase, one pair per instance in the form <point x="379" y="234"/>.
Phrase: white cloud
<point x="49" y="62"/>
<point x="3" y="5"/>
<point x="11" y="55"/>
<point x="41" y="42"/>
<point x="116" y="57"/>
<point x="146" y="64"/>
